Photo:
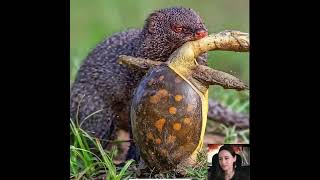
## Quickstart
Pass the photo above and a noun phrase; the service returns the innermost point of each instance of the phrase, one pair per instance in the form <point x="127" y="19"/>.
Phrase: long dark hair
<point x="231" y="151"/>
<point x="219" y="173"/>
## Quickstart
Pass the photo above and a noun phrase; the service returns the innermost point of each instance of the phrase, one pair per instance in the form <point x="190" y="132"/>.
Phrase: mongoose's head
<point x="167" y="29"/>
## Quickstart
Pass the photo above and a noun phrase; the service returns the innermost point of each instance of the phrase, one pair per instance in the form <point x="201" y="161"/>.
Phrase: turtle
<point x="170" y="104"/>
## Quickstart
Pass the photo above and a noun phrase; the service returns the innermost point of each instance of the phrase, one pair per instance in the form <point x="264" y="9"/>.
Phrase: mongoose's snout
<point x="200" y="33"/>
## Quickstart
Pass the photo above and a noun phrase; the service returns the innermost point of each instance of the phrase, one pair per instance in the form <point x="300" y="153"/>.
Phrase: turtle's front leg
<point x="138" y="63"/>
<point x="210" y="76"/>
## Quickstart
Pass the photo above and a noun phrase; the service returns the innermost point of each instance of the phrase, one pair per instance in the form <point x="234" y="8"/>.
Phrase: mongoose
<point x="101" y="94"/>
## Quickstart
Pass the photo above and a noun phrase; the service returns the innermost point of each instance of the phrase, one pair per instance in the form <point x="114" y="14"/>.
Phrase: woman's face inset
<point x="226" y="160"/>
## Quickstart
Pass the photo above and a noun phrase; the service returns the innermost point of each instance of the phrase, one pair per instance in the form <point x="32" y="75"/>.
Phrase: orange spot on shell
<point x="159" y="124"/>
<point x="177" y="126"/>
<point x="171" y="139"/>
<point x="158" y="141"/>
<point x="160" y="94"/>
<point x="178" y="98"/>
<point x="172" y="110"/>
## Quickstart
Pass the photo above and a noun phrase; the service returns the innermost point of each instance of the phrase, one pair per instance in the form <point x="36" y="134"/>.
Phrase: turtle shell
<point x="166" y="118"/>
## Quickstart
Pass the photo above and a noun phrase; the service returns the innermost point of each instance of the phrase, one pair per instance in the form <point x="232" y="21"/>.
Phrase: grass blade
<point x="125" y="167"/>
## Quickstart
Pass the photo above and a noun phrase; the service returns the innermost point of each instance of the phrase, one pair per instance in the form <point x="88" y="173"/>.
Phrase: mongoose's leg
<point x="133" y="152"/>
<point x="89" y="111"/>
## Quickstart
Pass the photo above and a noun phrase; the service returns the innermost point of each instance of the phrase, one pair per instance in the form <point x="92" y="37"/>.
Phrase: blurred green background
<point x="92" y="21"/>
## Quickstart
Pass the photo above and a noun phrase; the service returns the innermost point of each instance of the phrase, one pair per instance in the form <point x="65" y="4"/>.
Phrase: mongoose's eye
<point x="186" y="30"/>
<point x="177" y="29"/>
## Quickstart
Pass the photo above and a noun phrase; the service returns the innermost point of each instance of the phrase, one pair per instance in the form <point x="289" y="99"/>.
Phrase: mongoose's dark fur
<point x="104" y="86"/>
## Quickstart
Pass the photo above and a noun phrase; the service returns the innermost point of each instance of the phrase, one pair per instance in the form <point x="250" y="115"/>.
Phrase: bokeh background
<point x="93" y="21"/>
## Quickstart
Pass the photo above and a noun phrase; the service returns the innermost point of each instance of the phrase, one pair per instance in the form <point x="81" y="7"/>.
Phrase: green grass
<point x="85" y="164"/>
<point x="201" y="170"/>
<point x="198" y="171"/>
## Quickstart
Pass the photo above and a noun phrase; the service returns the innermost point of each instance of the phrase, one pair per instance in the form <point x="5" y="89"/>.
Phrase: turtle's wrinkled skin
<point x="167" y="118"/>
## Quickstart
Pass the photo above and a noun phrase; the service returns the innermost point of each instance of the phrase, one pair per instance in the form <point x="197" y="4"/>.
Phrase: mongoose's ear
<point x="153" y="20"/>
